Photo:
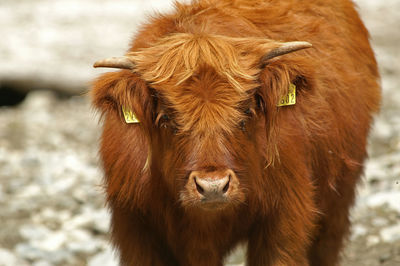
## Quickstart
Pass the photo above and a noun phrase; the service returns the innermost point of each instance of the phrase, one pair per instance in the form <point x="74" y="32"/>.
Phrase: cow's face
<point x="206" y="113"/>
<point x="206" y="139"/>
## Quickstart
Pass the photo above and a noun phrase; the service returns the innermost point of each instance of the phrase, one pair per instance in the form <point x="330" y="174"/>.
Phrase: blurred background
<point x="51" y="202"/>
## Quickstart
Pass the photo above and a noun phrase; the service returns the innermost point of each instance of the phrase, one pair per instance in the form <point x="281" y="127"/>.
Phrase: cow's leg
<point x="283" y="236"/>
<point x="201" y="251"/>
<point x="277" y="246"/>
<point x="137" y="241"/>
<point x="201" y="258"/>
<point x="334" y="224"/>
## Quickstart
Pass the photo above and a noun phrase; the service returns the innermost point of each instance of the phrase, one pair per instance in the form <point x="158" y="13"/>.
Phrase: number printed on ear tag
<point x="290" y="98"/>
<point x="129" y="116"/>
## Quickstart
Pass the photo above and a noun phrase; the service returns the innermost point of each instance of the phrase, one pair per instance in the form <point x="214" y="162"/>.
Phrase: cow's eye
<point x="163" y="120"/>
<point x="242" y="125"/>
<point x="249" y="112"/>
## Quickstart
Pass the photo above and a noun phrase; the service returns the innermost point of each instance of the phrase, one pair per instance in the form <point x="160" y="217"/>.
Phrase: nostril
<point x="226" y="187"/>
<point x="198" y="187"/>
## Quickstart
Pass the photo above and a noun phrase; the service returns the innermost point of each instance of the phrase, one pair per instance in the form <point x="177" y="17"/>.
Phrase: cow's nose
<point x="212" y="185"/>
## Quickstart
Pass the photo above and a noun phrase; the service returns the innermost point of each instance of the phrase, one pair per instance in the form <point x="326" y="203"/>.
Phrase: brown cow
<point x="214" y="160"/>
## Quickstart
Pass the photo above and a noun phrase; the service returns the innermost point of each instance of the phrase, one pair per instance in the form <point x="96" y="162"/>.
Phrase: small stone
<point x="41" y="263"/>
<point x="379" y="222"/>
<point x="28" y="251"/>
<point x="39" y="100"/>
<point x="82" y="241"/>
<point x="236" y="256"/>
<point x="80" y="195"/>
<point x="52" y="242"/>
<point x="374" y="171"/>
<point x="30" y="191"/>
<point x="78" y="221"/>
<point x="372" y="240"/>
<point x="358" y="230"/>
<point x="385" y="257"/>
<point x="61" y="185"/>
<point x="59" y="257"/>
<point x="382" y="129"/>
<point x="33" y="232"/>
<point x="105" y="258"/>
<point x="391" y="198"/>
<point x="391" y="234"/>
<point x="7" y="258"/>
<point x="102" y="221"/>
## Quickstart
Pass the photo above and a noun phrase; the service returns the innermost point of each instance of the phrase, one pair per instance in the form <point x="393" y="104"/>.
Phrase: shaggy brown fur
<point x="206" y="101"/>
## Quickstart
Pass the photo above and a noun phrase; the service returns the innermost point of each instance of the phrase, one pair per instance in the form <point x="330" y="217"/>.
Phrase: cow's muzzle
<point x="213" y="188"/>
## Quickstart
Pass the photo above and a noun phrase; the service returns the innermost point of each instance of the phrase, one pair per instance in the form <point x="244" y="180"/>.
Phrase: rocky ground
<point x="51" y="201"/>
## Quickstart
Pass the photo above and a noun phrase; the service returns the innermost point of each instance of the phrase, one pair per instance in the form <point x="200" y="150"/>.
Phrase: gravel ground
<point x="51" y="202"/>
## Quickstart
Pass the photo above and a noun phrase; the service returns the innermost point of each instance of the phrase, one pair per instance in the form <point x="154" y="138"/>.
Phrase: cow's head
<point x="206" y="106"/>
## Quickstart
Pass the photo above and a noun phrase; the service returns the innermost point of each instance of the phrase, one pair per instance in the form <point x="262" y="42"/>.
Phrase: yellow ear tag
<point x="129" y="116"/>
<point x="290" y="98"/>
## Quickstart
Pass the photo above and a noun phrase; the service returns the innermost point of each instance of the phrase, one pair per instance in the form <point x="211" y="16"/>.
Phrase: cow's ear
<point x="113" y="91"/>
<point x="124" y="149"/>
<point x="277" y="78"/>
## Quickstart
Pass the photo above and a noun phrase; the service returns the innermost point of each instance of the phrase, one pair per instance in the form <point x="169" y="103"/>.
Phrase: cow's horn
<point x="285" y="48"/>
<point x="116" y="62"/>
